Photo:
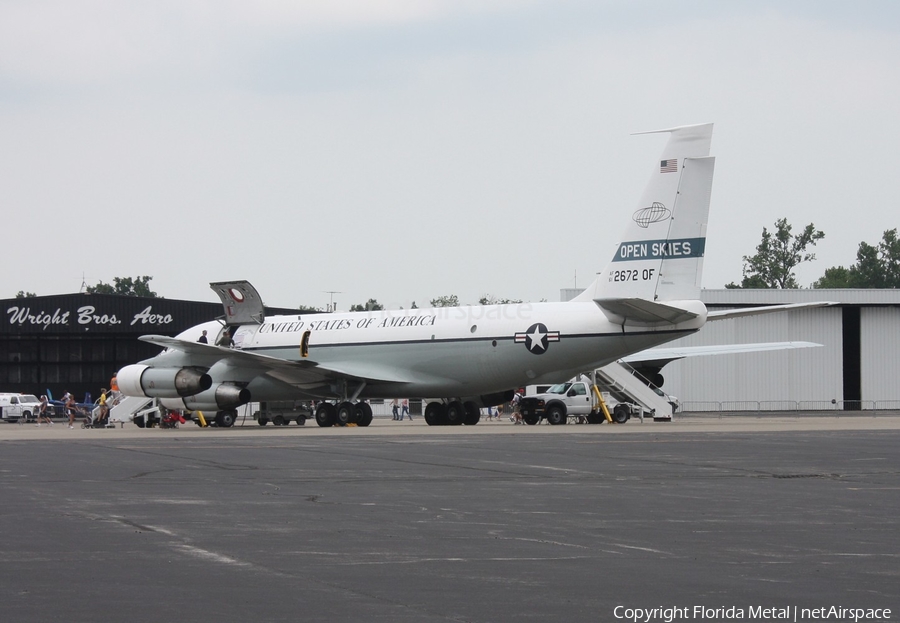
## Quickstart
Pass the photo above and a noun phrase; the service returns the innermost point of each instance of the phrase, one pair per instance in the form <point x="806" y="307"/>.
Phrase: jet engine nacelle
<point x="141" y="380"/>
<point x="223" y="397"/>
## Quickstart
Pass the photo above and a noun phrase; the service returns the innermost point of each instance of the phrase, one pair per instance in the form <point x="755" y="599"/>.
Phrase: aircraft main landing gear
<point x="453" y="413"/>
<point x="363" y="414"/>
<point x="326" y="414"/>
<point x="434" y="413"/>
<point x="344" y="413"/>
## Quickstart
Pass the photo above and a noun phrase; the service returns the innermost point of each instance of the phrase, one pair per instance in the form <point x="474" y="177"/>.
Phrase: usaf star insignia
<point x="537" y="338"/>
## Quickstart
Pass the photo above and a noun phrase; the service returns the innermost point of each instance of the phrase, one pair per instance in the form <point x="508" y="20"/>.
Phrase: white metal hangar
<point x="857" y="366"/>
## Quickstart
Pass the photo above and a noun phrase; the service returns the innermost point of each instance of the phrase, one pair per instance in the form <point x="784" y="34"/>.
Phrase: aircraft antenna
<point x="331" y="301"/>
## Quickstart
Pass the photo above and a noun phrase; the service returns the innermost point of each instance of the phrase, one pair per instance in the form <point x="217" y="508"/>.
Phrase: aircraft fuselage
<point x="439" y="353"/>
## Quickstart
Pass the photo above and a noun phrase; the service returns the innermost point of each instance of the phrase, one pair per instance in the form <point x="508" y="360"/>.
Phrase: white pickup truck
<point x="577" y="397"/>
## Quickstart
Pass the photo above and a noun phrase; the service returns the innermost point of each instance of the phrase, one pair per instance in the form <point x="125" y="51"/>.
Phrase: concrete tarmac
<point x="404" y="522"/>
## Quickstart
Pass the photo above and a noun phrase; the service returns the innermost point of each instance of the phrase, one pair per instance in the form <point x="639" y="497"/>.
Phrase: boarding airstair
<point x="625" y="384"/>
<point x="128" y="406"/>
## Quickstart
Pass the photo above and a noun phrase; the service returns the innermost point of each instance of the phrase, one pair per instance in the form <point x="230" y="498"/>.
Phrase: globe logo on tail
<point x="654" y="214"/>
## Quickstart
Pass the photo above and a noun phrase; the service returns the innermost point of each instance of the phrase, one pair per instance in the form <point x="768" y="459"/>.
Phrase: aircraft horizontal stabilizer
<point x="641" y="312"/>
<point x="723" y="314"/>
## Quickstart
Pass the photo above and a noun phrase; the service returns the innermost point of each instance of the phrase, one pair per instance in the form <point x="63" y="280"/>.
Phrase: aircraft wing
<point x="305" y="372"/>
<point x="658" y="357"/>
<point x="722" y="314"/>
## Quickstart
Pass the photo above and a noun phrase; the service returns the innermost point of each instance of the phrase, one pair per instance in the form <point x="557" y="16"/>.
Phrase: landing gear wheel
<point x="620" y="414"/>
<point x="473" y="413"/>
<point x="434" y="414"/>
<point x="346" y="413"/>
<point x="225" y="419"/>
<point x="325" y="414"/>
<point x="363" y="414"/>
<point x="556" y="415"/>
<point x="456" y="413"/>
<point x="262" y="421"/>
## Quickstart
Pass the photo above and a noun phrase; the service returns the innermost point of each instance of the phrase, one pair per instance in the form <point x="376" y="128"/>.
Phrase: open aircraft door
<point x="241" y="301"/>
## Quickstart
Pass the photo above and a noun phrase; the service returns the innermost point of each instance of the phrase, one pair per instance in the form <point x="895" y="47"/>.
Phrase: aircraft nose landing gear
<point x="225" y="419"/>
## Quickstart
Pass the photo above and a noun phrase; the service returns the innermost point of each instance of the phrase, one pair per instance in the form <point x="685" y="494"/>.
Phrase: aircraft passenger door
<point x="244" y="335"/>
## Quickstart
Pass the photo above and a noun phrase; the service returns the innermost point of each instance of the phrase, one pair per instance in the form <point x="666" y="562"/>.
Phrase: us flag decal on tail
<point x="668" y="166"/>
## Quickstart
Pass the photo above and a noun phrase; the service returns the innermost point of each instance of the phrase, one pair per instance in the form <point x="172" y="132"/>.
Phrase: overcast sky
<point x="404" y="150"/>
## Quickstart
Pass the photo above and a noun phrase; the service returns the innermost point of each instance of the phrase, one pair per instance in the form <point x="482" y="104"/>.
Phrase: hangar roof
<point x="846" y="296"/>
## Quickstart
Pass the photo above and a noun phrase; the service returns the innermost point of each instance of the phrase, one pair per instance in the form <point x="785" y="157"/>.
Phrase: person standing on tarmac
<point x="516" y="416"/>
<point x="71" y="411"/>
<point x="42" y="412"/>
<point x="404" y="410"/>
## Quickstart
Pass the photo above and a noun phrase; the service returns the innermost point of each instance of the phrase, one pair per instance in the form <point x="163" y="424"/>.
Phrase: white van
<point x="16" y="406"/>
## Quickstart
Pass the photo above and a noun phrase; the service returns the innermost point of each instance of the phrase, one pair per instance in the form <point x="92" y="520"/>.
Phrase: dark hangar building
<point x="75" y="342"/>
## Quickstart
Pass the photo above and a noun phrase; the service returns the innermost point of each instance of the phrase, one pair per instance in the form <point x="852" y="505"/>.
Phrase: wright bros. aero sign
<point x="29" y="318"/>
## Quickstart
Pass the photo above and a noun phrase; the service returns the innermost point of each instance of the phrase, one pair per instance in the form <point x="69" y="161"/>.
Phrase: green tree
<point x="125" y="286"/>
<point x="777" y="255"/>
<point x="309" y="308"/>
<point x="490" y="299"/>
<point x="25" y="295"/>
<point x="868" y="272"/>
<point x="445" y="301"/>
<point x="370" y="305"/>
<point x="876" y="266"/>
<point x="835" y="277"/>
<point x="889" y="250"/>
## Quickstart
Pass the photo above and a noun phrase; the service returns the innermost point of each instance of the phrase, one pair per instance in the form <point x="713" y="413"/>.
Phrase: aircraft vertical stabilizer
<point x="660" y="257"/>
